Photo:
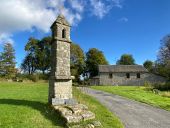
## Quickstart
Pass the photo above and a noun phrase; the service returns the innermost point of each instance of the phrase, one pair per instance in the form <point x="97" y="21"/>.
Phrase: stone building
<point x="124" y="75"/>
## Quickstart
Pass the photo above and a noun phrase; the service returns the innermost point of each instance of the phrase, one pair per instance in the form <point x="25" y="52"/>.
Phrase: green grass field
<point x="102" y="114"/>
<point x="139" y="94"/>
<point x="24" y="105"/>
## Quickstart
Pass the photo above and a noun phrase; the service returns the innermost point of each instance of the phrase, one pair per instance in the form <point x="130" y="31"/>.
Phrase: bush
<point x="43" y="76"/>
<point x="33" y="78"/>
<point x="148" y="85"/>
<point x="162" y="87"/>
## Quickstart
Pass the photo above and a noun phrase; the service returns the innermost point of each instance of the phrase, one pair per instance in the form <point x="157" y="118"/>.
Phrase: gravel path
<point x="133" y="114"/>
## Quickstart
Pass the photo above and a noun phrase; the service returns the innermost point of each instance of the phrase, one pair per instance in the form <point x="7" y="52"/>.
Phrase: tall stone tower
<point x="60" y="83"/>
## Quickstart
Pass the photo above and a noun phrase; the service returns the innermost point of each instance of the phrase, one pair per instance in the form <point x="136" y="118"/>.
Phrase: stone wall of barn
<point x="121" y="79"/>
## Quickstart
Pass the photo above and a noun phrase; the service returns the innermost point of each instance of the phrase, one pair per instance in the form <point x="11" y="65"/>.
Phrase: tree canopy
<point x="163" y="58"/>
<point x="7" y="62"/>
<point x="38" y="55"/>
<point x="148" y="65"/>
<point x="126" y="59"/>
<point x="94" y="57"/>
<point x="77" y="59"/>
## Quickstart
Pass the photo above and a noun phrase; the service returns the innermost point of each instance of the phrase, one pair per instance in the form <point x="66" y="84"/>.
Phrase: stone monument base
<point x="74" y="114"/>
<point x="57" y="101"/>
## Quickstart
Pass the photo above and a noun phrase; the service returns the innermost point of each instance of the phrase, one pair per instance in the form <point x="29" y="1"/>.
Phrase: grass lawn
<point x="24" y="105"/>
<point x="139" y="94"/>
<point x="102" y="114"/>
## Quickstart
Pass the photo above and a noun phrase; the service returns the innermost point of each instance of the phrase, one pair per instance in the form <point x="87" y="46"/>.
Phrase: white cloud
<point x="78" y="5"/>
<point x="27" y="15"/>
<point x="101" y="7"/>
<point x="6" y="38"/>
<point x="117" y="3"/>
<point x="24" y="15"/>
<point x="123" y="19"/>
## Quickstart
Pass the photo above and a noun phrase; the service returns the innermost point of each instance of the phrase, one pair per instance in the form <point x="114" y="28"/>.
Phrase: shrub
<point x="162" y="87"/>
<point x="148" y="86"/>
<point x="33" y="78"/>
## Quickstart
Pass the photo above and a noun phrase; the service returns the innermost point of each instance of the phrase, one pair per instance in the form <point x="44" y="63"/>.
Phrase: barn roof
<point x="122" y="68"/>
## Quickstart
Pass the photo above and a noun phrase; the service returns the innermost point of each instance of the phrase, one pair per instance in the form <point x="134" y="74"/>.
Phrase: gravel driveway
<point x="133" y="114"/>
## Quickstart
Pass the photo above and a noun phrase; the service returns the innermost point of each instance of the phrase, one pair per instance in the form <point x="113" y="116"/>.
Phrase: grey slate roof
<point x="122" y="68"/>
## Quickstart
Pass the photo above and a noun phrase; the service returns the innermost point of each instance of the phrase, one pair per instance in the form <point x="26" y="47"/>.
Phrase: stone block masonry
<point x="60" y="83"/>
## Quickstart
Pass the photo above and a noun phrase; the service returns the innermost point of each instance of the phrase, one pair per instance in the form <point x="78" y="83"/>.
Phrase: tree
<point x="126" y="59"/>
<point x="30" y="62"/>
<point x="163" y="58"/>
<point x="77" y="59"/>
<point x="94" y="57"/>
<point x="38" y="55"/>
<point x="43" y="54"/>
<point x="7" y="59"/>
<point x="148" y="65"/>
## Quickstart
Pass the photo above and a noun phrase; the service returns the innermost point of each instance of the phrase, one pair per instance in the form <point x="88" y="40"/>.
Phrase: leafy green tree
<point x="38" y="55"/>
<point x="163" y="58"/>
<point x="30" y="63"/>
<point x="7" y="61"/>
<point x="94" y="57"/>
<point x="148" y="65"/>
<point x="1" y="65"/>
<point x="77" y="59"/>
<point x="126" y="59"/>
<point x="43" y="54"/>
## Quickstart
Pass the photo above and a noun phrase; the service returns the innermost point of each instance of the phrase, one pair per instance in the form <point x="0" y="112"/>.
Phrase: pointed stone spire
<point x="60" y="20"/>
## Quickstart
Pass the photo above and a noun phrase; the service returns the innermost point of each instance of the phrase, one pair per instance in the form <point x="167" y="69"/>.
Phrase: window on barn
<point x="128" y="75"/>
<point x="63" y="33"/>
<point x="110" y="75"/>
<point x="138" y="75"/>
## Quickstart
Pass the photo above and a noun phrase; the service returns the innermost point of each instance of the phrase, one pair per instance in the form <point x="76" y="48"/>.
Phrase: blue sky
<point x="113" y="26"/>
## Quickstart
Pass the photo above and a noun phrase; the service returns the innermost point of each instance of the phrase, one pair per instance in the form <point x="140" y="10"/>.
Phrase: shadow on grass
<point x="46" y="110"/>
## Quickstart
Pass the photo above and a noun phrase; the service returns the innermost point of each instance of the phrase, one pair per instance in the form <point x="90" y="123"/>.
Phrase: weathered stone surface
<point x="120" y="79"/>
<point x="60" y="83"/>
<point x="70" y="101"/>
<point x="75" y="113"/>
<point x="57" y="101"/>
<point x="87" y="115"/>
<point x="96" y="123"/>
<point x="79" y="108"/>
<point x="73" y="118"/>
<point x="90" y="126"/>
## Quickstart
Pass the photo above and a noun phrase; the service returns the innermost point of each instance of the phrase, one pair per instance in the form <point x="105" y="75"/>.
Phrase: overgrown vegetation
<point x="102" y="114"/>
<point x="162" y="87"/>
<point x="138" y="93"/>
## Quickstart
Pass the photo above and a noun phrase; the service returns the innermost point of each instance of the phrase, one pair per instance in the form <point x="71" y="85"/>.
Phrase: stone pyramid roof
<point x="61" y="20"/>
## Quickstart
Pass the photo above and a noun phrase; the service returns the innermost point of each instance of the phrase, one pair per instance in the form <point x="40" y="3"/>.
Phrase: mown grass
<point x="24" y="105"/>
<point x="139" y="94"/>
<point x="102" y="114"/>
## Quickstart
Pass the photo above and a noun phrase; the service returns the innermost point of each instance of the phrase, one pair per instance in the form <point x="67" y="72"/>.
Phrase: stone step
<point x="75" y="113"/>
